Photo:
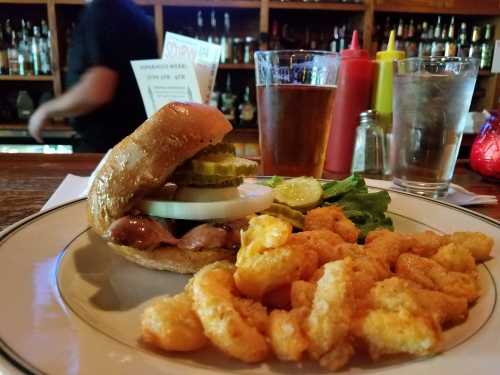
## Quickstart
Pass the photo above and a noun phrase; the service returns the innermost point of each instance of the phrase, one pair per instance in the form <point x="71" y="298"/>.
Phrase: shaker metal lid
<point x="370" y="114"/>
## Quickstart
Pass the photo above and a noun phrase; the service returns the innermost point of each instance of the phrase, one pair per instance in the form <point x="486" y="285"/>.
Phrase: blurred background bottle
<point x="247" y="111"/>
<point x="486" y="49"/>
<point x="226" y="42"/>
<point x="228" y="102"/>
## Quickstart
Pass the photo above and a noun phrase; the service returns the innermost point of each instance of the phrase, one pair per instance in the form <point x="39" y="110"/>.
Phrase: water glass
<point x="431" y="98"/>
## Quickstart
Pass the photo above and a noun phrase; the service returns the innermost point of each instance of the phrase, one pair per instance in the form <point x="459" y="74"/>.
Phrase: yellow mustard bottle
<point x="382" y="89"/>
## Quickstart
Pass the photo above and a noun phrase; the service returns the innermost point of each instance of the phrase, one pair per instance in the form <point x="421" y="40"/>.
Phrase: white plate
<point x="70" y="306"/>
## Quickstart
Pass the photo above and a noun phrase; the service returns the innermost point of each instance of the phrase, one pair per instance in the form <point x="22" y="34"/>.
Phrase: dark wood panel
<point x="28" y="180"/>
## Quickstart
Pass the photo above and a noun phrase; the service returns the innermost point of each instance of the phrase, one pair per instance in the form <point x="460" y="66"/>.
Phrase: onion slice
<point x="202" y="194"/>
<point x="252" y="198"/>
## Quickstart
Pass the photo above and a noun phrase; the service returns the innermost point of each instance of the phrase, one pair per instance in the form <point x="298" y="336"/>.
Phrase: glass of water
<point x="431" y="99"/>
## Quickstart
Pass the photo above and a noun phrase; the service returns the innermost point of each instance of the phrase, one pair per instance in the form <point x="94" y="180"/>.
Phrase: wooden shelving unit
<point x="317" y="6"/>
<point x="26" y="78"/>
<point x="249" y="4"/>
<point x="237" y="66"/>
<point x="365" y="13"/>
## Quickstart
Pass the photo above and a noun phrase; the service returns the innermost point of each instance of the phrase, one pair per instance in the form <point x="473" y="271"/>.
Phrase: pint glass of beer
<point x="295" y="98"/>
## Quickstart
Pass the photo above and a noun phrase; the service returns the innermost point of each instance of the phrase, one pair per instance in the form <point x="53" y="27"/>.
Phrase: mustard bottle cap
<point x="391" y="53"/>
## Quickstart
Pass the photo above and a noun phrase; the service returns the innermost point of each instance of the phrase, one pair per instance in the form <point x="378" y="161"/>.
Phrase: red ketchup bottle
<point x="351" y="98"/>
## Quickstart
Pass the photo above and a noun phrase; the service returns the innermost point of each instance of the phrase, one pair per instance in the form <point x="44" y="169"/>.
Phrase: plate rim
<point x="19" y="363"/>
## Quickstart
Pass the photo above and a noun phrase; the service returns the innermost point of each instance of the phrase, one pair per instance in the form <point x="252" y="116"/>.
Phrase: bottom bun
<point x="170" y="258"/>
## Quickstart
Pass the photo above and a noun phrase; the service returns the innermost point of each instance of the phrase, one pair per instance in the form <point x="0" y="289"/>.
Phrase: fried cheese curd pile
<point x="318" y="295"/>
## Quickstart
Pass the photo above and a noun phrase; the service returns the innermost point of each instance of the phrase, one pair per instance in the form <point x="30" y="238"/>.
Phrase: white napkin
<point x="456" y="194"/>
<point x="73" y="187"/>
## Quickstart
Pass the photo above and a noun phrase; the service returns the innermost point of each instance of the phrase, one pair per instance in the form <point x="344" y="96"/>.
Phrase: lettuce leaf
<point x="365" y="210"/>
<point x="273" y="181"/>
<point x="335" y="189"/>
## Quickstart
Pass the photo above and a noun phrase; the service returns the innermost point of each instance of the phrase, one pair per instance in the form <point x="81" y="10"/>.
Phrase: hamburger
<point x="171" y="196"/>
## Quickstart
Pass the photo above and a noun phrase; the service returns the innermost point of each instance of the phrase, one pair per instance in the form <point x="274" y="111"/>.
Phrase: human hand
<point x="38" y="120"/>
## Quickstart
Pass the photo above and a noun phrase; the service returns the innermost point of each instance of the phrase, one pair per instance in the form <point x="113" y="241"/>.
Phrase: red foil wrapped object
<point x="485" y="152"/>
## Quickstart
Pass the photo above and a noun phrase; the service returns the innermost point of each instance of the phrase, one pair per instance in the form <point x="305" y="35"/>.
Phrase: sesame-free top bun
<point x="144" y="160"/>
<point x="141" y="163"/>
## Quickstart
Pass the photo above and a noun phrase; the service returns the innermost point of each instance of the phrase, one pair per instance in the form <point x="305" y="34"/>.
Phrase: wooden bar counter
<point x="28" y="180"/>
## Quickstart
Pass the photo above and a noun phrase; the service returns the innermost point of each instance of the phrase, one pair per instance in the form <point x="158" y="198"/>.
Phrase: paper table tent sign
<point x="186" y="72"/>
<point x="164" y="81"/>
<point x="204" y="55"/>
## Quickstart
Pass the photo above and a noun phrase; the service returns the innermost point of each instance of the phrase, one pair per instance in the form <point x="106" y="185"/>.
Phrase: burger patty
<point x="148" y="233"/>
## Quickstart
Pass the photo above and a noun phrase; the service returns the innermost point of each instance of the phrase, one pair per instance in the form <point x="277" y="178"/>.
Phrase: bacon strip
<point x="140" y="232"/>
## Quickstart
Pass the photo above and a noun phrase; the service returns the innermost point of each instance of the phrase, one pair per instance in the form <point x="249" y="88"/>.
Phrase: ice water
<point x="294" y="121"/>
<point x="429" y="112"/>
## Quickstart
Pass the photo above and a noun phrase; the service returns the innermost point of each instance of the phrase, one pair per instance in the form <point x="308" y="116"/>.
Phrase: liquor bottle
<point x="8" y="29"/>
<point x="45" y="29"/>
<point x="4" y="57"/>
<point x="12" y="53"/>
<point x="274" y="42"/>
<point x="213" y="37"/>
<point x="24" y="55"/>
<point x="462" y="44"/>
<point x="23" y="30"/>
<point x="45" y="55"/>
<point x="228" y="102"/>
<point x="226" y="42"/>
<point x="288" y="37"/>
<point x="247" y="111"/>
<point x="313" y="44"/>
<point x="342" y="34"/>
<point x="214" y="99"/>
<point x="35" y="51"/>
<point x="450" y="48"/>
<point x="307" y="39"/>
<point x="200" y="34"/>
<point x="486" y="49"/>
<point x="334" y="44"/>
<point x="385" y="34"/>
<point x="400" y="36"/>
<point x="323" y="42"/>
<point x="422" y="45"/>
<point x="411" y="41"/>
<point x="475" y="47"/>
<point x="25" y="106"/>
<point x="437" y="48"/>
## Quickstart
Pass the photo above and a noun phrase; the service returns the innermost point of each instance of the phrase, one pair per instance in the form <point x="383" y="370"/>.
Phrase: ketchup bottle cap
<point x="354" y="51"/>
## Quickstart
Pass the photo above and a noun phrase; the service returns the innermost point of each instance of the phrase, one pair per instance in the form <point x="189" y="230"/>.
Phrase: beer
<point x="294" y="121"/>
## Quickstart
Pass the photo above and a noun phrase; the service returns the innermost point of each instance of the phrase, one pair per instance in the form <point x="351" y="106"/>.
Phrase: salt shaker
<point x="369" y="148"/>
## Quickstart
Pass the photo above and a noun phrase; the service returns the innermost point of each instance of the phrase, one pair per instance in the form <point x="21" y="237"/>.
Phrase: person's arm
<point x="95" y="88"/>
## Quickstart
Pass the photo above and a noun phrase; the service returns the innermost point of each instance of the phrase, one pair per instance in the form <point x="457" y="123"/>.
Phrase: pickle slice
<point x="219" y="148"/>
<point x="223" y="165"/>
<point x="300" y="192"/>
<point x="192" y="179"/>
<point x="294" y="217"/>
<point x="235" y="181"/>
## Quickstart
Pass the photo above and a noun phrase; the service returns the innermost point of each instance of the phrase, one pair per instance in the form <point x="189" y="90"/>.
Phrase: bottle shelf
<point x="23" y="1"/>
<point x="8" y="77"/>
<point x="317" y="6"/>
<point x="243" y="135"/>
<point x="206" y="3"/>
<point x="436" y="10"/>
<point x="236" y="66"/>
